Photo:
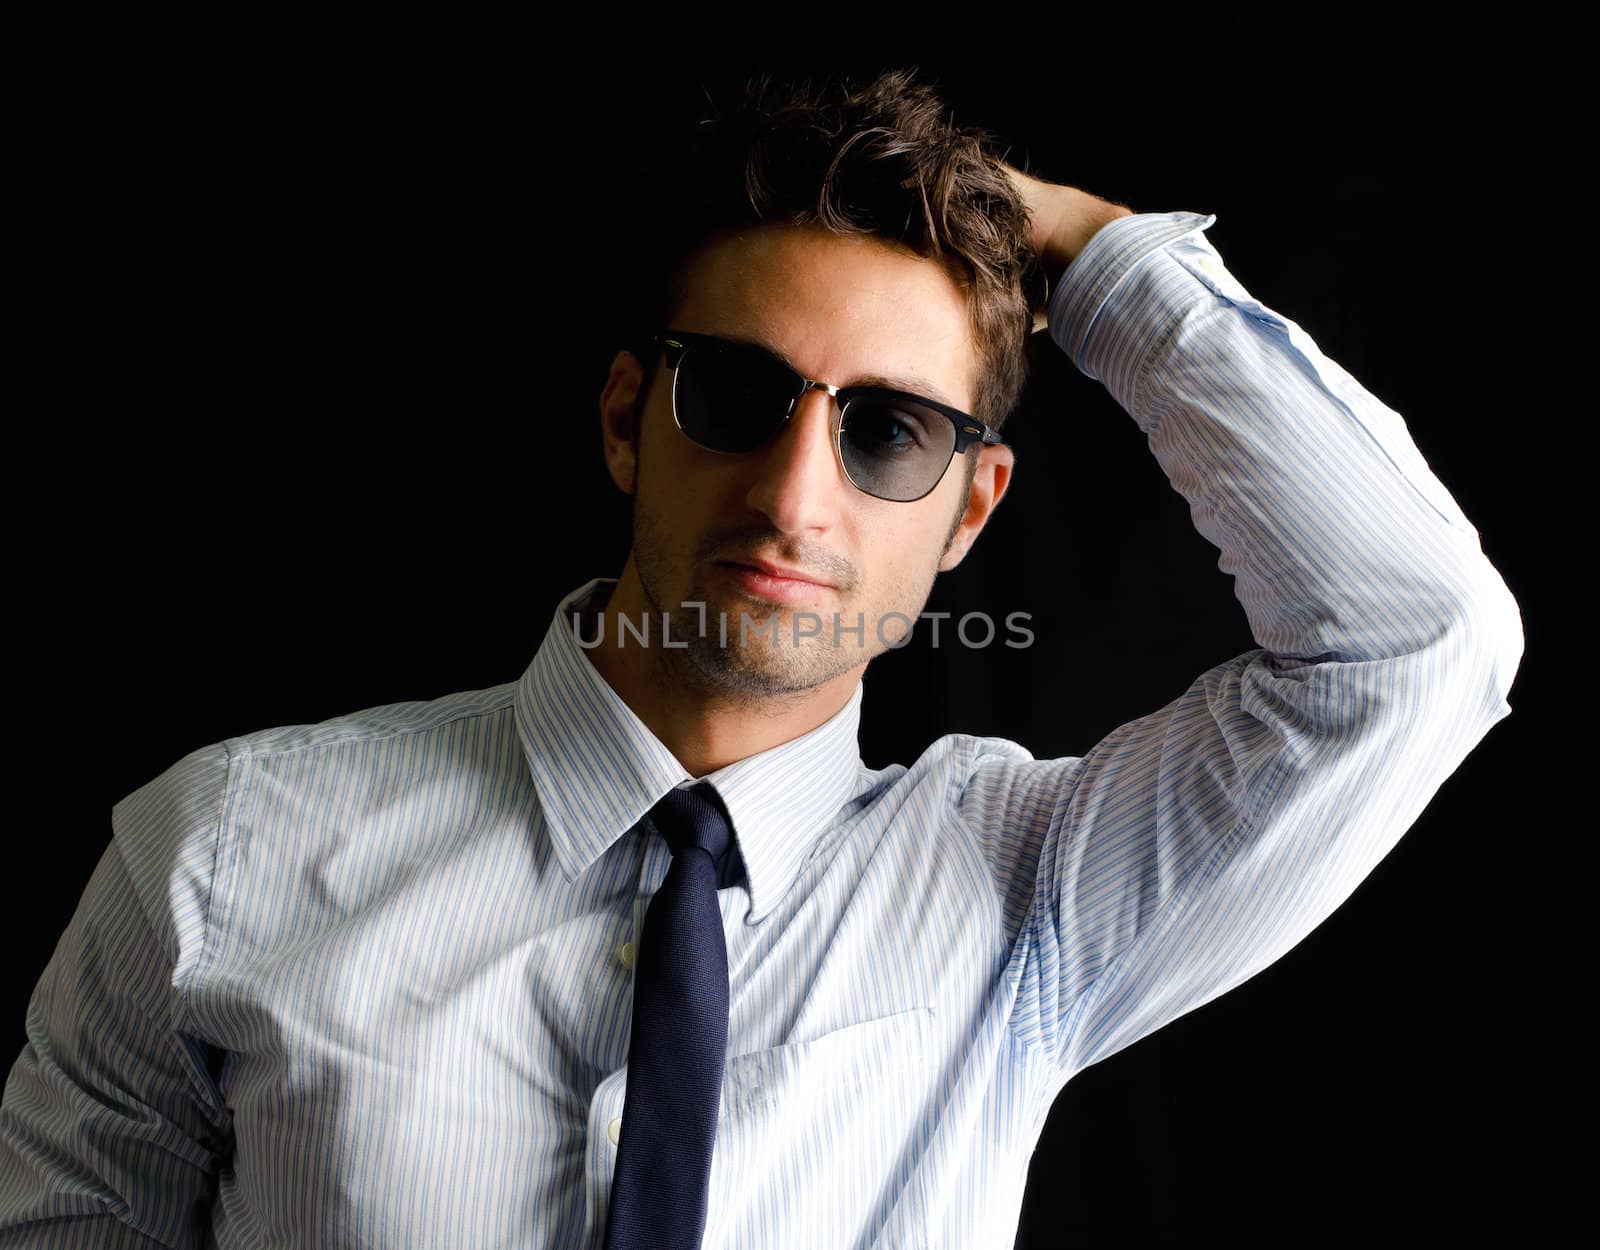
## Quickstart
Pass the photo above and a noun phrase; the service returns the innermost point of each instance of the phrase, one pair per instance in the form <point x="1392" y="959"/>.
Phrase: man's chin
<point x="764" y="665"/>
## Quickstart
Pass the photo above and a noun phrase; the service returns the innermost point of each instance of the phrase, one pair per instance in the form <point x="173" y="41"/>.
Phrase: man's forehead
<point x="747" y="261"/>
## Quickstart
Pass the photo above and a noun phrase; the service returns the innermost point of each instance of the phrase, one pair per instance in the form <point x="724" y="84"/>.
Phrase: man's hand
<point x="1064" y="220"/>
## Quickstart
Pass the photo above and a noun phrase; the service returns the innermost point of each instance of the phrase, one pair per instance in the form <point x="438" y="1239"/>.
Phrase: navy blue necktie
<point x="662" y="1178"/>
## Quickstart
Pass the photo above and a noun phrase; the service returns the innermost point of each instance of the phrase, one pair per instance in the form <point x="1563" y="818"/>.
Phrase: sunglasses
<point x="733" y="397"/>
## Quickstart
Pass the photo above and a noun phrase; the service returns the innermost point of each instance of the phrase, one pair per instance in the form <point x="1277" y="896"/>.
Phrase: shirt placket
<point x="605" y="1113"/>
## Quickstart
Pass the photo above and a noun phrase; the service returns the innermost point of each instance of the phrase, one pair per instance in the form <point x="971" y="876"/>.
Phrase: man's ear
<point x="621" y="410"/>
<point x="989" y="483"/>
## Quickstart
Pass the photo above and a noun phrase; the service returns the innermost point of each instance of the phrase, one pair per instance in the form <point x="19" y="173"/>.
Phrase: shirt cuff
<point x="1111" y="254"/>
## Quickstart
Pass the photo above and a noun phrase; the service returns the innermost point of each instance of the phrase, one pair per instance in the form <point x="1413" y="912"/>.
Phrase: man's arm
<point x="1064" y="220"/>
<point x="112" y="1129"/>
<point x="1196" y="845"/>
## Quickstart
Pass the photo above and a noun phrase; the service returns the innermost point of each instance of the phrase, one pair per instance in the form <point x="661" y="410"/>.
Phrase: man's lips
<point x="774" y="583"/>
<point x="772" y="569"/>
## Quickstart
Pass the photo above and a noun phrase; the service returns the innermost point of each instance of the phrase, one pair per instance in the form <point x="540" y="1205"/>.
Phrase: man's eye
<point x="887" y="429"/>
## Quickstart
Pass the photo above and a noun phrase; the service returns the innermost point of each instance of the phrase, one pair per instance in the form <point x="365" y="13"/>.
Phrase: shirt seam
<point x="227" y="807"/>
<point x="958" y="784"/>
<point x="155" y="926"/>
<point x="185" y="1019"/>
<point x="250" y="750"/>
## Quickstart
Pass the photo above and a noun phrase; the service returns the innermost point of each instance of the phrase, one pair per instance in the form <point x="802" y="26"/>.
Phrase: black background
<point x="313" y="324"/>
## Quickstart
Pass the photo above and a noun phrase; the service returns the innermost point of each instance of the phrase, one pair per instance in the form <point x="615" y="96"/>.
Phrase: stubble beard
<point x="760" y="660"/>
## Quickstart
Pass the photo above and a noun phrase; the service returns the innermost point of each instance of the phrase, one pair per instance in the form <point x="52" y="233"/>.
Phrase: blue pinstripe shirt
<point x="367" y="983"/>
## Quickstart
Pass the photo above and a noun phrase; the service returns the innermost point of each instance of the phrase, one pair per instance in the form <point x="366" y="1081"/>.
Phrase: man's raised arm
<point x="1194" y="846"/>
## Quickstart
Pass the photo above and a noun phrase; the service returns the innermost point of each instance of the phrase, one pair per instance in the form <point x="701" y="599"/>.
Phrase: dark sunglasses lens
<point x="894" y="448"/>
<point x="727" y="399"/>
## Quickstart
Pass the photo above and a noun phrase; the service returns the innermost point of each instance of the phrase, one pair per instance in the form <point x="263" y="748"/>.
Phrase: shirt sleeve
<point x="1194" y="846"/>
<point x="113" y="1129"/>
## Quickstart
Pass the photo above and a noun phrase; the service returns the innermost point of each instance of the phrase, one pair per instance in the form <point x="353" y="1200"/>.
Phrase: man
<point x="401" y="978"/>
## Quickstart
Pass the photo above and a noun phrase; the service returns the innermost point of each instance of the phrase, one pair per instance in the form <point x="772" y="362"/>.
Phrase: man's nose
<point x="799" y="484"/>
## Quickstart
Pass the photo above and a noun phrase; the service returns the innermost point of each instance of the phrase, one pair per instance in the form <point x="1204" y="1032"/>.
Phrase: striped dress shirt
<point x="367" y="983"/>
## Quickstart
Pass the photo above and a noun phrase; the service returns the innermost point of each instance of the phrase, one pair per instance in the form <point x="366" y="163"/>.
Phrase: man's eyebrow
<point x="895" y="382"/>
<point x="917" y="386"/>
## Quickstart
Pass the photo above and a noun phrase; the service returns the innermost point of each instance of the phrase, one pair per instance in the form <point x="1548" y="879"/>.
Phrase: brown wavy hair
<point x="882" y="159"/>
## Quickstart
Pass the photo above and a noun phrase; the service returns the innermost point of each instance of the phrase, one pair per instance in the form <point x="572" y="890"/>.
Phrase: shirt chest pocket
<point x="819" y="1143"/>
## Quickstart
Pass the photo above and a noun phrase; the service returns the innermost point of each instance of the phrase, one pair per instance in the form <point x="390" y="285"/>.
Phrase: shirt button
<point x="625" y="955"/>
<point x="614" y="1130"/>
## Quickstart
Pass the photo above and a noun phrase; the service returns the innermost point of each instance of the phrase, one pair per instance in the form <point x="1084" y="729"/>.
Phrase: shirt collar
<point x="598" y="769"/>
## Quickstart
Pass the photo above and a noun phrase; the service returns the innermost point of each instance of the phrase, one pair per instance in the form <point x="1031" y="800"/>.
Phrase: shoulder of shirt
<point x="198" y="780"/>
<point x="374" y="724"/>
<point x="989" y="769"/>
<point x="169" y="829"/>
<point x="957" y="756"/>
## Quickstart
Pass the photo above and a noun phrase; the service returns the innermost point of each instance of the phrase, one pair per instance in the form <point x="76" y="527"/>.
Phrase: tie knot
<point x="694" y="816"/>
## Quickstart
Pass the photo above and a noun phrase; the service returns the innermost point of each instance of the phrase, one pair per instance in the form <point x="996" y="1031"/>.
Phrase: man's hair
<point x="881" y="159"/>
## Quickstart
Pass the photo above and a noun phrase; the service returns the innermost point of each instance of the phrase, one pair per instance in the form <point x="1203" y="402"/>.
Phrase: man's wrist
<point x="1074" y="235"/>
<point x="1064" y="247"/>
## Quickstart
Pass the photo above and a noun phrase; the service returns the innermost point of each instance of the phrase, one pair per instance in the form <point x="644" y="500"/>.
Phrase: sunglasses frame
<point x="969" y="430"/>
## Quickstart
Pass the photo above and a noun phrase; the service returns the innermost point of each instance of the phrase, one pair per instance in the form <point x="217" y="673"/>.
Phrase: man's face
<point x="838" y="308"/>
